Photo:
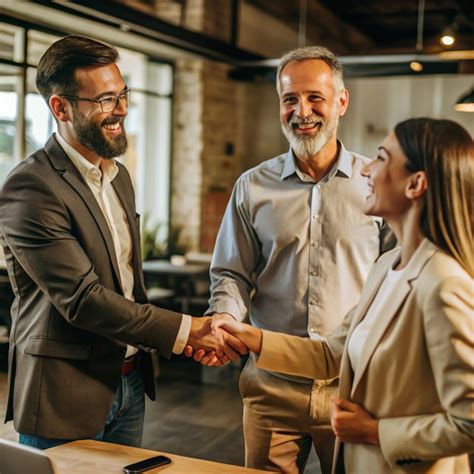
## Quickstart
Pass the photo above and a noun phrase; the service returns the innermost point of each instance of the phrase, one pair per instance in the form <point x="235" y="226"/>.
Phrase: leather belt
<point x="130" y="363"/>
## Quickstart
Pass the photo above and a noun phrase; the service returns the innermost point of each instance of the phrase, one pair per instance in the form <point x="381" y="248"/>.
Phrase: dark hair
<point x="57" y="66"/>
<point x="445" y="152"/>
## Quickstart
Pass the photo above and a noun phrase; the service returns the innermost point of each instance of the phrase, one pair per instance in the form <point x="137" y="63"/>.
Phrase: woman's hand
<point x="352" y="424"/>
<point x="250" y="336"/>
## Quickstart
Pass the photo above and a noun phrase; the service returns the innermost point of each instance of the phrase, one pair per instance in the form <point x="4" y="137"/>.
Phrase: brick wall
<point x="186" y="185"/>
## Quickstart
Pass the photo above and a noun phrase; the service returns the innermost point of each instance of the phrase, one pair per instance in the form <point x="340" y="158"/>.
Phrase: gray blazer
<point x="70" y="320"/>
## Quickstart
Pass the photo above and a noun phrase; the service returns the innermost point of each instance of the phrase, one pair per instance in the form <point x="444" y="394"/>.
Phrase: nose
<point x="365" y="171"/>
<point x="304" y="109"/>
<point x="122" y="106"/>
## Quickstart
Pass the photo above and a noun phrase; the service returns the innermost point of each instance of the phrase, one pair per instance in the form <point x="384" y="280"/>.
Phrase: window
<point x="26" y="122"/>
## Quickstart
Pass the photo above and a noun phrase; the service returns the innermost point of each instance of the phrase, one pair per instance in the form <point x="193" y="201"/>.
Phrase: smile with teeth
<point x="306" y="126"/>
<point x="112" y="126"/>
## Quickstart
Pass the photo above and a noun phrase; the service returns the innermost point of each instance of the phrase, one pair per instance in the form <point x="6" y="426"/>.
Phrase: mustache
<point x="112" y="120"/>
<point x="297" y="120"/>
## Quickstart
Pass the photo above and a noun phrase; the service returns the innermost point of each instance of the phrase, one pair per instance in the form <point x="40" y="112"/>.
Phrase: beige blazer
<point x="70" y="320"/>
<point x="416" y="370"/>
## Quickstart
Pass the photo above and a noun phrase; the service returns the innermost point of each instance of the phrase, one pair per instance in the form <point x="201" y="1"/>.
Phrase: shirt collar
<point x="342" y="167"/>
<point x="108" y="168"/>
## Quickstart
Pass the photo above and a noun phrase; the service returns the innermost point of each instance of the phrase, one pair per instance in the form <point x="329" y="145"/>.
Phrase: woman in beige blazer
<point x="405" y="353"/>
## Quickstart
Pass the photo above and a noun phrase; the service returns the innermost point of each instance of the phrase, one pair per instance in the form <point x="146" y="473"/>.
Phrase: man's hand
<point x="352" y="424"/>
<point x="212" y="347"/>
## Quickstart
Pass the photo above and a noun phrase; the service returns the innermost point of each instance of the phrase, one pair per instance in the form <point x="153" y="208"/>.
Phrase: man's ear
<point x="343" y="102"/>
<point x="416" y="185"/>
<point x="60" y="108"/>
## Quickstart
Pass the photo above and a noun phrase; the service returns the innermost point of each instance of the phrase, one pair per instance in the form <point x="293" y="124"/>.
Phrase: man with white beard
<point x="292" y="254"/>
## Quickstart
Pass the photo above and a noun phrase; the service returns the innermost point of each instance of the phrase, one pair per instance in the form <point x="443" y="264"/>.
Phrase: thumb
<point x="224" y="323"/>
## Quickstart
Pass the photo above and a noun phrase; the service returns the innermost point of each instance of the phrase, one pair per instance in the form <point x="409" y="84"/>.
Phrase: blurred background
<point x="204" y="109"/>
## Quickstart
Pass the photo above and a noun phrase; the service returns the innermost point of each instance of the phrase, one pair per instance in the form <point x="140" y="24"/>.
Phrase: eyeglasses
<point x="108" y="102"/>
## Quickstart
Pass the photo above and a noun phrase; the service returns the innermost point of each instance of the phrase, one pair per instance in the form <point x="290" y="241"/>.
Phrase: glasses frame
<point x="124" y="95"/>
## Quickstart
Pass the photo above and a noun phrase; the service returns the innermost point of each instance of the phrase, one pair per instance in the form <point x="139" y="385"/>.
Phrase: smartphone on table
<point x="146" y="464"/>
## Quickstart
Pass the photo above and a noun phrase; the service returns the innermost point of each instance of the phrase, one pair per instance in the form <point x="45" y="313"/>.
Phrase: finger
<point x="199" y="354"/>
<point x="230" y="353"/>
<point x="209" y="359"/>
<point x="236" y="344"/>
<point x="224" y="360"/>
<point x="188" y="351"/>
<point x="346" y="405"/>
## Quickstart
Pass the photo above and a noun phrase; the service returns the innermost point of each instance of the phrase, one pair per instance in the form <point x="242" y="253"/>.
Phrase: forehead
<point x="96" y="80"/>
<point x="306" y="75"/>
<point x="392" y="145"/>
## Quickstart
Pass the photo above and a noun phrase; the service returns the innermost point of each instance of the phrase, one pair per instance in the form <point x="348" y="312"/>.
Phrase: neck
<point x="89" y="155"/>
<point x="319" y="165"/>
<point x="407" y="228"/>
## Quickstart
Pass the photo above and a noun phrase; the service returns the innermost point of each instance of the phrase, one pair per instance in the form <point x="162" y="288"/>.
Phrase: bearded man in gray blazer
<point x="82" y="331"/>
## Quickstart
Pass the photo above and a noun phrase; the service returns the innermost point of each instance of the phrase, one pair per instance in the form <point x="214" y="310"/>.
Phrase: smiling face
<point x="102" y="133"/>
<point x="310" y="106"/>
<point x="388" y="181"/>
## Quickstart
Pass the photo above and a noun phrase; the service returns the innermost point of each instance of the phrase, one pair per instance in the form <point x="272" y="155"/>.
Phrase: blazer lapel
<point x="73" y="177"/>
<point x="369" y="291"/>
<point x="390" y="307"/>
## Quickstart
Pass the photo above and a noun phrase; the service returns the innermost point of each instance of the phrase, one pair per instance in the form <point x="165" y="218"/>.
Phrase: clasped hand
<point x="213" y="345"/>
<point x="353" y="424"/>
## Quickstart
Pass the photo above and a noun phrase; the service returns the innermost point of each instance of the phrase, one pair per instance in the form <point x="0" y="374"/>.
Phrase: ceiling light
<point x="465" y="103"/>
<point x="447" y="39"/>
<point x="416" y="66"/>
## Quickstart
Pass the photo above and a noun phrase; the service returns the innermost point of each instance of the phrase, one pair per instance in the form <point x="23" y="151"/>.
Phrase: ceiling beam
<point x="322" y="25"/>
<point x="129" y="19"/>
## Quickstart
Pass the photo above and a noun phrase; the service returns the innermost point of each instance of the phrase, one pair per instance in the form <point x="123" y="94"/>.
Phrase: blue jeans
<point x="124" y="424"/>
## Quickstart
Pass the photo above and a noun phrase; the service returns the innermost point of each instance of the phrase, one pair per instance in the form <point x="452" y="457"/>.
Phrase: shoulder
<point x="358" y="161"/>
<point x="271" y="167"/>
<point x="33" y="169"/>
<point x="444" y="282"/>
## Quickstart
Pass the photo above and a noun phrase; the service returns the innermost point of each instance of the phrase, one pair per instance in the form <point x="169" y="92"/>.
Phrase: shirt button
<point x="316" y="216"/>
<point x="312" y="330"/>
<point x="314" y="273"/>
<point x="314" y="244"/>
<point x="313" y="302"/>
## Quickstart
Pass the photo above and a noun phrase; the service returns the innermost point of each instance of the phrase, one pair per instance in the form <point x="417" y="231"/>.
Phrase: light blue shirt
<point x="293" y="254"/>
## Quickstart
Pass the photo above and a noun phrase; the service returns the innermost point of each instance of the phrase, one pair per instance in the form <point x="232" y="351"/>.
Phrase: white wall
<point x="378" y="104"/>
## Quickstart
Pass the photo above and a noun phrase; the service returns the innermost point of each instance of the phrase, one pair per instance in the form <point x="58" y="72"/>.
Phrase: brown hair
<point x="313" y="52"/>
<point x="445" y="152"/>
<point x="57" y="66"/>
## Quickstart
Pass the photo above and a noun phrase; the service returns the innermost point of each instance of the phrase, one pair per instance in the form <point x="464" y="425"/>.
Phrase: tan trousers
<point x="282" y="419"/>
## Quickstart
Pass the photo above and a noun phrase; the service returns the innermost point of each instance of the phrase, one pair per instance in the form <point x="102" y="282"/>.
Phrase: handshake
<point x="216" y="340"/>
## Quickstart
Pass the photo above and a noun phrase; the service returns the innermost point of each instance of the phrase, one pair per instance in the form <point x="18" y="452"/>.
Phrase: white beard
<point x="308" y="146"/>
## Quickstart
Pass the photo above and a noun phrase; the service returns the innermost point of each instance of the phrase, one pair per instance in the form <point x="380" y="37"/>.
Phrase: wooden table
<point x="89" y="456"/>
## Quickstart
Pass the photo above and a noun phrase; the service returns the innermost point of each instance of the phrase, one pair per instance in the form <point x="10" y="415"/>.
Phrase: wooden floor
<point x="197" y="413"/>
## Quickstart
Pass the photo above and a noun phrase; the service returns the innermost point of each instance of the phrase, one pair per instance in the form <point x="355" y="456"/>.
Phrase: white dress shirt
<point x="99" y="180"/>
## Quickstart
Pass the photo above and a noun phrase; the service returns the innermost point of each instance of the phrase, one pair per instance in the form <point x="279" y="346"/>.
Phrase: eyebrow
<point x="289" y="94"/>
<point x="102" y="94"/>
<point x="380" y="148"/>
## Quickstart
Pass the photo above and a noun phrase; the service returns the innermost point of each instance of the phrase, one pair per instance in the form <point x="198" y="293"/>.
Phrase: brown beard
<point x="91" y="136"/>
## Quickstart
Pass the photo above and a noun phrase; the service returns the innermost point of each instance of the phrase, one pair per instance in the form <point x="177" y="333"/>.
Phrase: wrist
<point x="373" y="434"/>
<point x="254" y="339"/>
<point x="197" y="326"/>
